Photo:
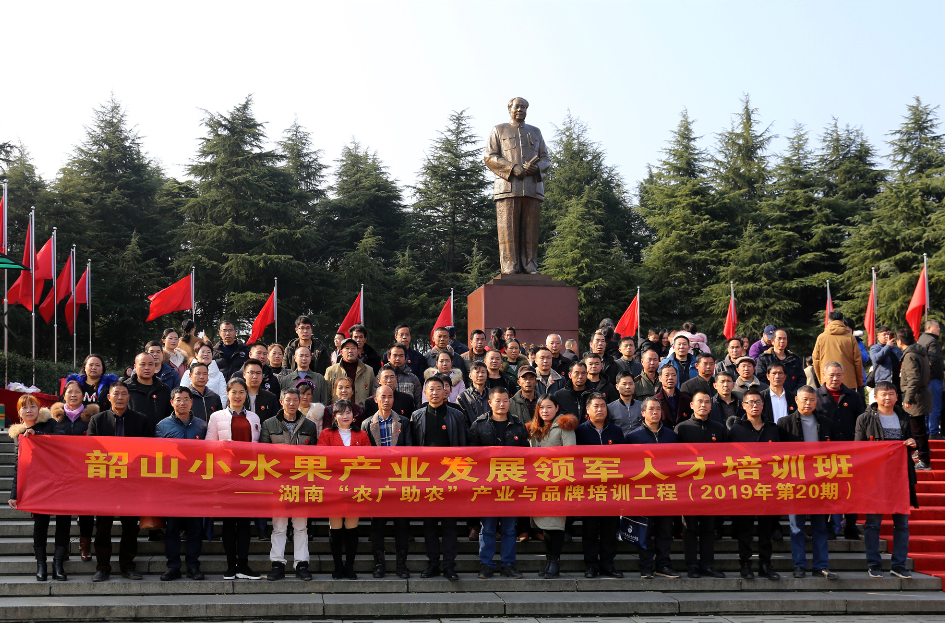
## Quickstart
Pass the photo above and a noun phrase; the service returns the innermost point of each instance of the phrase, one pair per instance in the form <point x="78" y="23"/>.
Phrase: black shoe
<point x="100" y="576"/>
<point x="922" y="466"/>
<point x="450" y="573"/>
<point x="799" y="572"/>
<point x="155" y="535"/>
<point x="712" y="572"/>
<point x="302" y="572"/>
<point x="61" y="555"/>
<point x="131" y="574"/>
<point x="667" y="572"/>
<point x="937" y="436"/>
<point x="777" y="535"/>
<point x="553" y="568"/>
<point x="474" y="534"/>
<point x="901" y="572"/>
<point x="485" y="572"/>
<point x="694" y="573"/>
<point x="646" y="574"/>
<point x="431" y="571"/>
<point x="767" y="571"/>
<point x="195" y="574"/>
<point x="745" y="571"/>
<point x="264" y="536"/>
<point x="826" y="574"/>
<point x="831" y="536"/>
<point x="277" y="573"/>
<point x="591" y="572"/>
<point x="567" y="537"/>
<point x="230" y="573"/>
<point x="510" y="571"/>
<point x="610" y="572"/>
<point x="852" y="534"/>
<point x="543" y="570"/>
<point x="379" y="564"/>
<point x="402" y="571"/>
<point x="170" y="574"/>
<point x="875" y="572"/>
<point x="243" y="572"/>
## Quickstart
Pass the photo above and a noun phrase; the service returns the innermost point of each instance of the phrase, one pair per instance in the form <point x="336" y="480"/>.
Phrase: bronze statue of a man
<point x="516" y="153"/>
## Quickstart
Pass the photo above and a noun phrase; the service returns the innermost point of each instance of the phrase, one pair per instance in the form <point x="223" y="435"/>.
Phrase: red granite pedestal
<point x="535" y="305"/>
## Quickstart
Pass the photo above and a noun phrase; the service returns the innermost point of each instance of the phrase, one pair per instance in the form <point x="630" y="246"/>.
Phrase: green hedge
<point x="47" y="372"/>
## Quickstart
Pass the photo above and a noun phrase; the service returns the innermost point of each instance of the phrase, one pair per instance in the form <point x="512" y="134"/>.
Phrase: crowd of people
<point x="495" y="391"/>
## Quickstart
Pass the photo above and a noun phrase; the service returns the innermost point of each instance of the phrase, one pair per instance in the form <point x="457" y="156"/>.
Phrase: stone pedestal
<point x="535" y="305"/>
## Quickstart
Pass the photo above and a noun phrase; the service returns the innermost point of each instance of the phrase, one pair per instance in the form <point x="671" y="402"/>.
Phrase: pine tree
<point x="304" y="163"/>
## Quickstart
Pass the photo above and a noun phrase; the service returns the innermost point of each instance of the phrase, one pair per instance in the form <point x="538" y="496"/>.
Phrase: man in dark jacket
<point x="475" y="399"/>
<point x="229" y="353"/>
<point x="549" y="380"/>
<point x="573" y="398"/>
<point x="885" y="356"/>
<point x="885" y="421"/>
<point x="366" y="353"/>
<point x="647" y="382"/>
<point x="596" y="381"/>
<point x="441" y="343"/>
<point x="735" y="350"/>
<point x="702" y="380"/>
<point x="676" y="404"/>
<point x="600" y="533"/>
<point x="754" y="429"/>
<point x="321" y="354"/>
<point x="779" y="400"/>
<point x="259" y="401"/>
<point x="699" y="531"/>
<point x="681" y="359"/>
<point x="929" y="341"/>
<point x="915" y="374"/>
<point x="498" y="428"/>
<point x="626" y="362"/>
<point x="778" y="352"/>
<point x="625" y="411"/>
<point x="436" y="425"/>
<point x="806" y="424"/>
<point x="525" y="399"/>
<point x="659" y="529"/>
<point x="726" y="405"/>
<point x="119" y="421"/>
<point x="387" y="429"/>
<point x="414" y="359"/>
<point x="404" y="404"/>
<point x="206" y="402"/>
<point x="407" y="381"/>
<point x="288" y="427"/>
<point x="147" y="394"/>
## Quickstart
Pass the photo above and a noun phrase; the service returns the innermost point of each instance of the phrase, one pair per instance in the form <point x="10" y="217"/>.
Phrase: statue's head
<point x="518" y="108"/>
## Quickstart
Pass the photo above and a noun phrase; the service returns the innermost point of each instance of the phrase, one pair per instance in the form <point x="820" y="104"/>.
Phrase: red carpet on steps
<point x="927" y="524"/>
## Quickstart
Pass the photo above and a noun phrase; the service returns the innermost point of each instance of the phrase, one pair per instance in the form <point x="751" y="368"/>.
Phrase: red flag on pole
<point x="731" y="320"/>
<point x="445" y="319"/>
<point x="917" y="305"/>
<point x="17" y="294"/>
<point x="265" y="318"/>
<point x="870" y="319"/>
<point x="44" y="264"/>
<point x="354" y="315"/>
<point x="81" y="296"/>
<point x="627" y="326"/>
<point x="829" y="307"/>
<point x="63" y="289"/>
<point x="176" y="297"/>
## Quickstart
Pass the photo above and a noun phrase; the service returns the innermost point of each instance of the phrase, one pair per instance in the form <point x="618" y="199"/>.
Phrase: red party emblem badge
<point x="444" y="427"/>
<point x="608" y="441"/>
<point x="844" y="404"/>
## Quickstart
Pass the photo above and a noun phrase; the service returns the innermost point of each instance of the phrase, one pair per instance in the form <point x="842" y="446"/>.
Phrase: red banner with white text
<point x="170" y="477"/>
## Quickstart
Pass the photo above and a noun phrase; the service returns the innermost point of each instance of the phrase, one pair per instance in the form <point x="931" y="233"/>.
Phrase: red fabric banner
<point x="630" y="321"/>
<point x="175" y="297"/>
<point x="170" y="477"/>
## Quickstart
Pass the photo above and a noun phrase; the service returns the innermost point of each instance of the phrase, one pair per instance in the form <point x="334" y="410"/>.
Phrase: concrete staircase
<point x="22" y="598"/>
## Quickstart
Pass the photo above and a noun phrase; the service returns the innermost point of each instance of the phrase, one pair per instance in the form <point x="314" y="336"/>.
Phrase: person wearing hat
<point x="525" y="400"/>
<point x="766" y="342"/>
<point x="745" y="366"/>
<point x="361" y="374"/>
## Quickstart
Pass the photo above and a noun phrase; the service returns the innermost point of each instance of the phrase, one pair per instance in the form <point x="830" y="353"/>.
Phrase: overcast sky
<point x="390" y="73"/>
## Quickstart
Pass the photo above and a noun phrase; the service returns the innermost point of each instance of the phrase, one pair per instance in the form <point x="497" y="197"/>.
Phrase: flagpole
<point x="193" y="299"/>
<point x="361" y="311"/>
<point x="33" y="282"/>
<point x="925" y="265"/>
<point x="639" y="317"/>
<point x="275" y="309"/>
<point x="55" y="290"/>
<point x="75" y="345"/>
<point x="451" y="309"/>
<point x="6" y="318"/>
<point x="88" y="298"/>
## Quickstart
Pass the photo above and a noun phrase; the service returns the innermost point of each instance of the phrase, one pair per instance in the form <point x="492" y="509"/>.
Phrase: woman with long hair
<point x="343" y="531"/>
<point x="203" y="352"/>
<point x="550" y="428"/>
<point x="188" y="339"/>
<point x="173" y="355"/>
<point x="276" y="354"/>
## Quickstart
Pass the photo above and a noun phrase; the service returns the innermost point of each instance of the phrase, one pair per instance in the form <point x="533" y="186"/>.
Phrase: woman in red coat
<point x="343" y="530"/>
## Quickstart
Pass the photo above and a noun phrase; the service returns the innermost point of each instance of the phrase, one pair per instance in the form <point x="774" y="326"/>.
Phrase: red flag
<point x="63" y="289"/>
<point x="870" y="320"/>
<point x="445" y="319"/>
<point x="731" y="320"/>
<point x="829" y="308"/>
<point x="81" y="296"/>
<point x="353" y="317"/>
<point x="176" y="297"/>
<point x="44" y="264"/>
<point x="15" y="295"/>
<point x="917" y="305"/>
<point x="265" y="318"/>
<point x="630" y="320"/>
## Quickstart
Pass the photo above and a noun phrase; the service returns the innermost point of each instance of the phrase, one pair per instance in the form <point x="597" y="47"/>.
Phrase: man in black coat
<point x="321" y="354"/>
<point x="930" y="341"/>
<point x="366" y="353"/>
<point x="415" y="361"/>
<point x="119" y="421"/>
<point x="403" y="402"/>
<point x="726" y="404"/>
<point x="147" y="394"/>
<point x="778" y="399"/>
<point x="206" y="402"/>
<point x="699" y="531"/>
<point x="259" y="401"/>
<point x="229" y="353"/>
<point x="573" y="398"/>
<point x="778" y="353"/>
<point x="838" y="402"/>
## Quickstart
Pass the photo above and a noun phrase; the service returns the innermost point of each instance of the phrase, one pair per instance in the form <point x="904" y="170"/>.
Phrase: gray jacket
<point x="626" y="417"/>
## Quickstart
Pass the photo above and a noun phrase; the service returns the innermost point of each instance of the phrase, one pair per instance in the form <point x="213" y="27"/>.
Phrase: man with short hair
<point x="289" y="428"/>
<point x="498" y="428"/>
<point x="702" y="381"/>
<point x="229" y="353"/>
<point x="119" y="421"/>
<point x="474" y="400"/>
<point x="259" y="401"/>
<point x="626" y="361"/>
<point x="403" y="403"/>
<point x="570" y="350"/>
<point x="146" y="393"/>
<point x="930" y="342"/>
<point x="625" y="411"/>
<point x="414" y="359"/>
<point x="205" y="400"/>
<point x="745" y="366"/>
<point x="837" y="344"/>
<point x="477" y="349"/>
<point x="885" y="421"/>
<point x="387" y="429"/>
<point x="301" y="370"/>
<point x="366" y="352"/>
<point x="596" y="379"/>
<point x="659" y="529"/>
<point x="681" y="360"/>
<point x="270" y="382"/>
<point x="699" y="531"/>
<point x="407" y="381"/>
<point x="181" y="424"/>
<point x="549" y="380"/>
<point x="778" y="400"/>
<point x="726" y="404"/>
<point x="885" y="356"/>
<point x="675" y="404"/>
<point x="915" y="373"/>
<point x="319" y="353"/>
<point x="494" y="376"/>
<point x="436" y="425"/>
<point x="361" y="374"/>
<point x="600" y="533"/>
<point x="441" y="343"/>
<point x="767" y="339"/>
<point x="165" y="372"/>
<point x="806" y="424"/>
<point x="559" y="362"/>
<point x="734" y="351"/>
<point x="525" y="399"/>
<point x="779" y="353"/>
<point x="573" y="398"/>
<point x="754" y="429"/>
<point x="647" y="382"/>
<point x="598" y="346"/>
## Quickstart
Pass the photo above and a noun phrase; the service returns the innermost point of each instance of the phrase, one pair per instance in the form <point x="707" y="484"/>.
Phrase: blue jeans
<point x="487" y="540"/>
<point x="934" y="419"/>
<point x="900" y="547"/>
<point x="818" y="525"/>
